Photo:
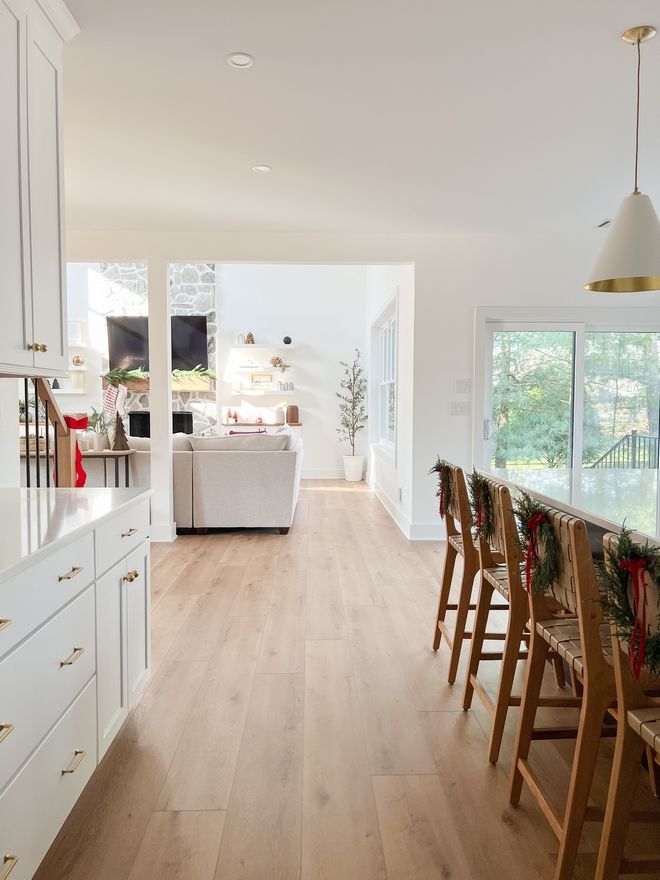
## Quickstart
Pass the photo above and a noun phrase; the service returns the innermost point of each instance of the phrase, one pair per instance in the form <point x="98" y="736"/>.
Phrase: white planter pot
<point x="99" y="442"/>
<point x="353" y="467"/>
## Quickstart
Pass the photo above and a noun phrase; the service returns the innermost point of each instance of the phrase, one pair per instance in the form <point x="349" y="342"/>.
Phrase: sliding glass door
<point x="565" y="396"/>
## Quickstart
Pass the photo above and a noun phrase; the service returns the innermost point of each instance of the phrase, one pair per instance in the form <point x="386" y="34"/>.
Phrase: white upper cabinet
<point x="32" y="288"/>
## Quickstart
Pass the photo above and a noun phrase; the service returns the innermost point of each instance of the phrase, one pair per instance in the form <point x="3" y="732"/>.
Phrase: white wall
<point x="9" y="442"/>
<point x="390" y="470"/>
<point x="322" y="309"/>
<point x="453" y="275"/>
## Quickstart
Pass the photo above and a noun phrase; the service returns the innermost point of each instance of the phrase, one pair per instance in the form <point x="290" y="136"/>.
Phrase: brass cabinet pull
<point x="4" y="622"/>
<point x="132" y="575"/>
<point x="33" y="346"/>
<point x="5" y="730"/>
<point x="70" y="574"/>
<point x="10" y="863"/>
<point x="79" y="754"/>
<point x="128" y="533"/>
<point x="43" y="347"/>
<point x="77" y="654"/>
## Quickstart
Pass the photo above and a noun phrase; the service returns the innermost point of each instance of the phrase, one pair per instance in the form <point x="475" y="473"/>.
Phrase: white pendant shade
<point x="630" y="257"/>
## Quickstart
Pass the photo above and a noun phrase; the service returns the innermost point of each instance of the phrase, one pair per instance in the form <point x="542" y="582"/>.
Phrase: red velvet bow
<point x="480" y="514"/>
<point x="78" y="425"/>
<point x="637" y="648"/>
<point x="532" y="554"/>
<point x="442" y="497"/>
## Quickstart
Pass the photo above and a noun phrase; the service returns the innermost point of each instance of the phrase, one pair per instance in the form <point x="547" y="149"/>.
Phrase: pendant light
<point x="630" y="258"/>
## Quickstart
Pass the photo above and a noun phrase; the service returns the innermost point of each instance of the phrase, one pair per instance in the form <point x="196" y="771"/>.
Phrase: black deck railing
<point x="632" y="451"/>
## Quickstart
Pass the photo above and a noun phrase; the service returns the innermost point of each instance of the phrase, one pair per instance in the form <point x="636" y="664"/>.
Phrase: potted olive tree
<point x="352" y="414"/>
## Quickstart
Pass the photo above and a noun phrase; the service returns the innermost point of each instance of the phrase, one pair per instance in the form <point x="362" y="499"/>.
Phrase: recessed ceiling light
<point x="240" y="60"/>
<point x="262" y="169"/>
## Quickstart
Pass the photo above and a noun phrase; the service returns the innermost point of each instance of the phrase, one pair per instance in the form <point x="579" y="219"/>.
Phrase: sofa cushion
<point x="180" y="443"/>
<point x="243" y="442"/>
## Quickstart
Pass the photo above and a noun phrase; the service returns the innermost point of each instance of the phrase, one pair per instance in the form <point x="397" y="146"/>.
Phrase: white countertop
<point x="603" y="496"/>
<point x="33" y="521"/>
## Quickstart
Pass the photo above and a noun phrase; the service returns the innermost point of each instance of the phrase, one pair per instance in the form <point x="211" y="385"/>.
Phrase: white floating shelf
<point x="260" y="347"/>
<point x="254" y="392"/>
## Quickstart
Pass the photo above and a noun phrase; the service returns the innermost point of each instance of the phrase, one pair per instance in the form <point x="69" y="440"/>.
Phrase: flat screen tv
<point x="128" y="342"/>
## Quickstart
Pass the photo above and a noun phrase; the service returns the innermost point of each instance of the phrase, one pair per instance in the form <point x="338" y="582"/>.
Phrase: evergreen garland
<point x="445" y="484"/>
<point x="540" y="544"/>
<point x="482" y="506"/>
<point x="624" y="599"/>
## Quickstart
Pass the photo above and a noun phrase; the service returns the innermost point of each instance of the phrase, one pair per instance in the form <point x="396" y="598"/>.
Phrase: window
<point x="387" y="380"/>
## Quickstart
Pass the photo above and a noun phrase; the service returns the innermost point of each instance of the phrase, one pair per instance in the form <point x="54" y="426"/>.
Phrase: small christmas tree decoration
<point x="119" y="442"/>
<point x="445" y="484"/>
<point x="482" y="507"/>
<point x="624" y="590"/>
<point x="542" y="550"/>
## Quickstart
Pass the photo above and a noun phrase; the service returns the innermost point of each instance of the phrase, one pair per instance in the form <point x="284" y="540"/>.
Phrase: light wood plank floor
<point x="298" y="724"/>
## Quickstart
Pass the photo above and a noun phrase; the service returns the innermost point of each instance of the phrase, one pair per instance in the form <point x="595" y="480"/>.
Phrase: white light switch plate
<point x="462" y="386"/>
<point x="459" y="408"/>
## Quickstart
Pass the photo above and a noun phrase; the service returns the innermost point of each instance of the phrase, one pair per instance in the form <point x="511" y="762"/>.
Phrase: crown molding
<point x="60" y="17"/>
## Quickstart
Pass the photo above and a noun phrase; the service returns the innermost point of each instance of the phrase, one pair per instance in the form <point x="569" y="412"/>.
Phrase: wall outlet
<point x="459" y="408"/>
<point x="462" y="386"/>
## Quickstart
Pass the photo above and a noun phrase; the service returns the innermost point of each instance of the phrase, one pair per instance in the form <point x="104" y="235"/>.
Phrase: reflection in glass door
<point x="531" y="411"/>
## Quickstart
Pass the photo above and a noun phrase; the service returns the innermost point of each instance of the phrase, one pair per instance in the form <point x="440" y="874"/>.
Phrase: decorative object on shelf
<point x="78" y="360"/>
<point x="119" y="440"/>
<point x="445" y="484"/>
<point x="55" y="384"/>
<point x="259" y="420"/>
<point x="277" y="361"/>
<point x="261" y="381"/>
<point x="482" y="507"/>
<point x="240" y="339"/>
<point x="249" y="338"/>
<point x="80" y="424"/>
<point x="287" y="340"/>
<point x="352" y="414"/>
<point x="278" y="415"/>
<point x="623" y="581"/>
<point x="541" y="547"/>
<point x="292" y="415"/>
<point x="116" y="377"/>
<point x="629" y="260"/>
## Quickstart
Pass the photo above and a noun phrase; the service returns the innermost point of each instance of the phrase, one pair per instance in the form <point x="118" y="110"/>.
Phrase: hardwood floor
<point x="298" y="726"/>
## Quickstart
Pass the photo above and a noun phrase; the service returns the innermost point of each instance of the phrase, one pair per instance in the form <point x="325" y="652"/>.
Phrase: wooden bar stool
<point x="639" y="730"/>
<point x="570" y="622"/>
<point x="460" y="542"/>
<point x="506" y="580"/>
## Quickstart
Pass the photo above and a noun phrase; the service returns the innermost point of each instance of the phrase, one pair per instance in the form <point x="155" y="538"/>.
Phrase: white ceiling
<point x="376" y="115"/>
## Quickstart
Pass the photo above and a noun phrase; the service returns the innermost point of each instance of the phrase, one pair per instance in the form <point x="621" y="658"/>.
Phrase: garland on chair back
<point x="623" y="590"/>
<point x="445" y="484"/>
<point x="540" y="544"/>
<point x="482" y="506"/>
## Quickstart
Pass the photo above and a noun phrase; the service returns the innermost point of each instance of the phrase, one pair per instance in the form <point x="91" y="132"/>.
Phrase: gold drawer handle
<point x="4" y="622"/>
<point x="128" y="533"/>
<point x="10" y="863"/>
<point x="77" y="654"/>
<point x="70" y="574"/>
<point x="5" y="730"/>
<point x="132" y="575"/>
<point x="77" y="761"/>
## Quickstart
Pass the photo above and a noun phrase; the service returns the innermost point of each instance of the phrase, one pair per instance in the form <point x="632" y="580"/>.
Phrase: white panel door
<point x="15" y="293"/>
<point x="111" y="654"/>
<point x="44" y="150"/>
<point x="138" y="601"/>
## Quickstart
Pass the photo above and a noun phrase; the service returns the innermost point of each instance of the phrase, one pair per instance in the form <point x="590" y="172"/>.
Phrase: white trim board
<point x="163" y="533"/>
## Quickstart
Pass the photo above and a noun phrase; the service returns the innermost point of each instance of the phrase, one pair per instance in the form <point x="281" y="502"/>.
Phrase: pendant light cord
<point x="639" y="68"/>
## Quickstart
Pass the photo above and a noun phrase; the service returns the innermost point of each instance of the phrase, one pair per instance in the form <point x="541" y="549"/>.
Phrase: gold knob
<point x="132" y="575"/>
<point x="4" y="622"/>
<point x="5" y="730"/>
<point x="43" y="347"/>
<point x="33" y="346"/>
<point x="77" y="360"/>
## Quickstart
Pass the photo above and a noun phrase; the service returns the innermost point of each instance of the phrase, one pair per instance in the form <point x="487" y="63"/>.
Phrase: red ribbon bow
<point x="480" y="514"/>
<point x="78" y="425"/>
<point x="442" y="497"/>
<point x="637" y="648"/>
<point x="532" y="553"/>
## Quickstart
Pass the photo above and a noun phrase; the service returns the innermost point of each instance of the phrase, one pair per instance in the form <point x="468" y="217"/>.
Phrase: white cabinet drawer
<point x="121" y="535"/>
<point x="35" y="805"/>
<point x="29" y="598"/>
<point x="42" y="677"/>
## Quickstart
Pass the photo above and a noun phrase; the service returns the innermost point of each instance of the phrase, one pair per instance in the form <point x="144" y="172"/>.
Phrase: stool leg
<point x="623" y="786"/>
<point x="538" y="651"/>
<point x="560" y="675"/>
<point x="510" y="654"/>
<point x="445" y="588"/>
<point x="593" y="710"/>
<point x="461" y="619"/>
<point x="477" y="640"/>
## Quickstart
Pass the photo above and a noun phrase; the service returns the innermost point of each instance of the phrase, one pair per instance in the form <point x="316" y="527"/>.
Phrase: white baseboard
<point x="323" y="474"/>
<point x="427" y="531"/>
<point x="163" y="532"/>
<point x="397" y="515"/>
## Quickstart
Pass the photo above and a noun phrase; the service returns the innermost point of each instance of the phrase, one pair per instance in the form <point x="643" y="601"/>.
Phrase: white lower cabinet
<point x="36" y="803"/>
<point x="75" y="663"/>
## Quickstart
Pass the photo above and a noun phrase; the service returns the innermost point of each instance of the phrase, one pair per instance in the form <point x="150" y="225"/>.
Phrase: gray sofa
<point x="233" y="481"/>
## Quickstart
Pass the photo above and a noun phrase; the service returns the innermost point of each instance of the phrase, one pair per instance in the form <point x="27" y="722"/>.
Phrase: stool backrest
<point x="458" y="514"/>
<point x="497" y="540"/>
